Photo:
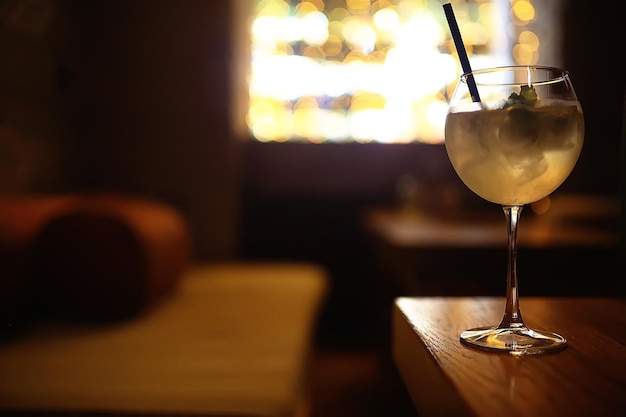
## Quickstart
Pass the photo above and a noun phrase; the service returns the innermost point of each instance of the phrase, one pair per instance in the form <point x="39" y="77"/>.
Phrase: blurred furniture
<point x="446" y="378"/>
<point x="109" y="315"/>
<point x="96" y="255"/>
<point x="465" y="253"/>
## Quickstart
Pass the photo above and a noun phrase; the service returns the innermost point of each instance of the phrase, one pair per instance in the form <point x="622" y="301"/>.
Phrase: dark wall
<point x="123" y="95"/>
<point x="147" y="85"/>
<point x="594" y="36"/>
<point x="33" y="129"/>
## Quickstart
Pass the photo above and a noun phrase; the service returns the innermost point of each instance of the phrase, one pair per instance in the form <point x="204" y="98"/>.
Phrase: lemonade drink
<point x="513" y="135"/>
<point x="514" y="154"/>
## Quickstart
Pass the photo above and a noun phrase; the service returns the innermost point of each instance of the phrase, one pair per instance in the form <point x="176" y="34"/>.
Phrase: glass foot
<point x="516" y="341"/>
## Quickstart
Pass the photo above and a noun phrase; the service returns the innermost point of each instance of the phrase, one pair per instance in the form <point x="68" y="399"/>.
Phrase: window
<point x="368" y="71"/>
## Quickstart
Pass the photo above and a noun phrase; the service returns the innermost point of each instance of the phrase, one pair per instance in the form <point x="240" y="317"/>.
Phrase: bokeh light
<point x="367" y="70"/>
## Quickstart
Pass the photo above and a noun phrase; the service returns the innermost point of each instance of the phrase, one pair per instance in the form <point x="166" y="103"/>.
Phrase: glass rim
<point x="557" y="75"/>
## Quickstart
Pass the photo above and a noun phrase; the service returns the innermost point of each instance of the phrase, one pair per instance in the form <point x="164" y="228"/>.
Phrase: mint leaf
<point x="527" y="96"/>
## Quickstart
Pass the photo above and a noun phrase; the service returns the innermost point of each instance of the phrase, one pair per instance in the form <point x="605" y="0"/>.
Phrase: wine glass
<point x="513" y="135"/>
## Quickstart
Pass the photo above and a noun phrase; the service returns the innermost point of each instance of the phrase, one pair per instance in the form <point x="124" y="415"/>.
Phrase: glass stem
<point x="512" y="314"/>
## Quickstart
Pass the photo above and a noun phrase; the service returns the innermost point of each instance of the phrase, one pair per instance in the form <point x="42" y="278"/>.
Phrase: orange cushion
<point x="109" y="256"/>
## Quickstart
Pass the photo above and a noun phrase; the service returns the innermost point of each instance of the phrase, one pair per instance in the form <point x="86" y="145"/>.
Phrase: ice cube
<point x="520" y="128"/>
<point x="559" y="127"/>
<point x="524" y="165"/>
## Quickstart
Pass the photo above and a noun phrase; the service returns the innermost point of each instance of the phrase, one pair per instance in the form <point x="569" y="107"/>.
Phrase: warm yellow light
<point x="367" y="125"/>
<point x="319" y="4"/>
<point x="435" y="113"/>
<point x="314" y="52"/>
<point x="272" y="8"/>
<point x="528" y="40"/>
<point x="486" y="14"/>
<point x="370" y="71"/>
<point x="269" y="120"/>
<point x="307" y="122"/>
<point x="315" y="28"/>
<point x="475" y="33"/>
<point x="359" y="35"/>
<point x="423" y="27"/>
<point x="387" y="20"/>
<point x="335" y="126"/>
<point x="358" y="6"/>
<point x="305" y="8"/>
<point x="523" y="10"/>
<point x="338" y="14"/>
<point x="362" y="101"/>
<point x="333" y="46"/>
<point x="524" y="56"/>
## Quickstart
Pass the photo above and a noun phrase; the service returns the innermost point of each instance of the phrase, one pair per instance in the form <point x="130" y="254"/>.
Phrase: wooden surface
<point x="457" y="253"/>
<point x="232" y="340"/>
<point x="533" y="232"/>
<point x="446" y="378"/>
<point x="572" y="221"/>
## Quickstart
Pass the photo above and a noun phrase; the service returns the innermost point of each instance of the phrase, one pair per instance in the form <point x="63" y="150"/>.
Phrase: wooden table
<point x="446" y="378"/>
<point x="574" y="221"/>
<point x="425" y="254"/>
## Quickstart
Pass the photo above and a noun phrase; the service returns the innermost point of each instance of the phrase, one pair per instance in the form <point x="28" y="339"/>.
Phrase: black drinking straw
<point x="460" y="48"/>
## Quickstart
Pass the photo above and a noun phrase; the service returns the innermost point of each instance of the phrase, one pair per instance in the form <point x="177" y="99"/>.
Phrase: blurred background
<point x="279" y="131"/>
